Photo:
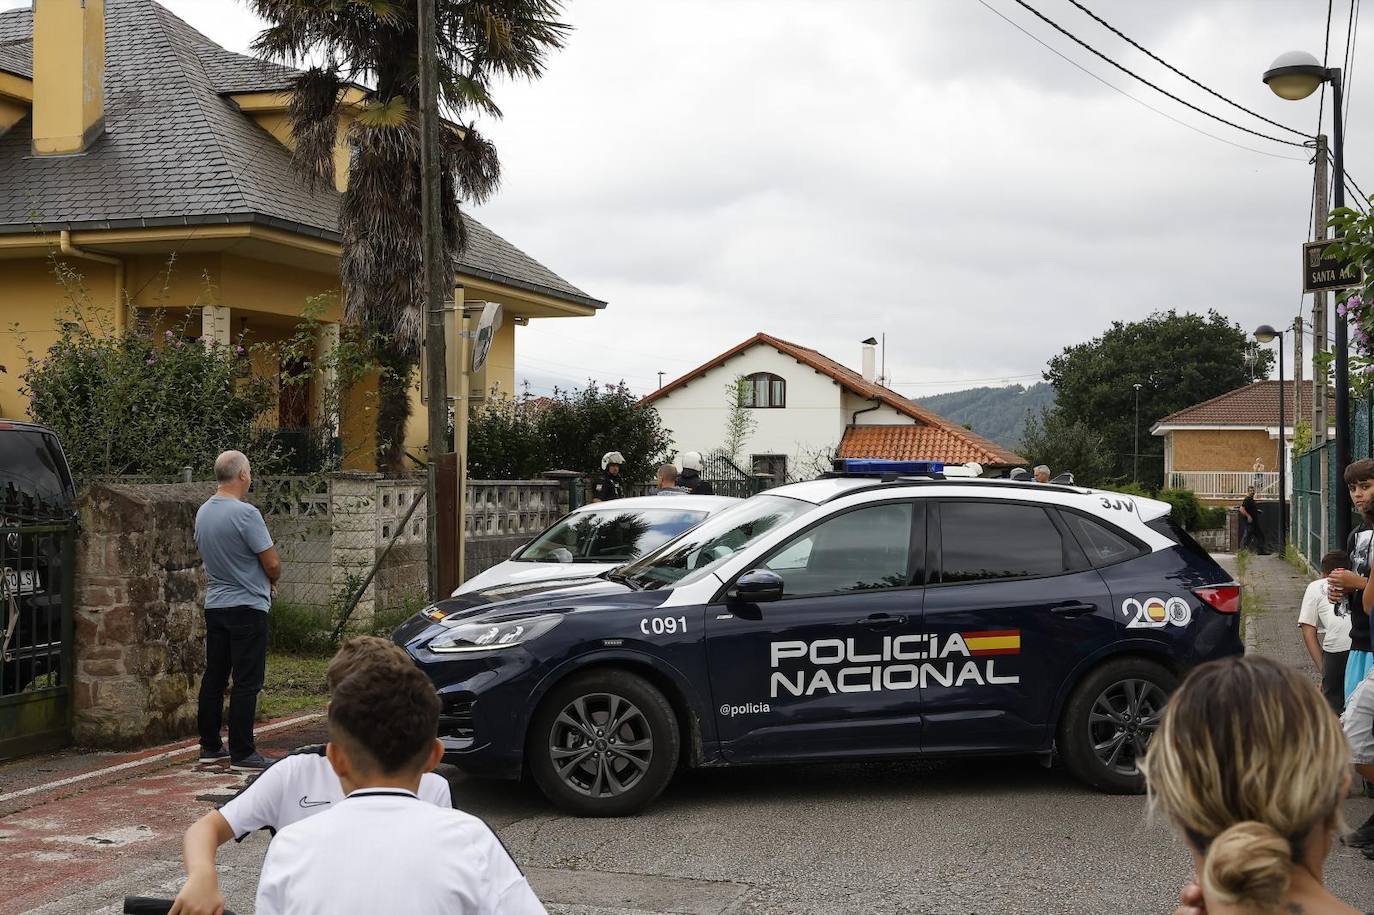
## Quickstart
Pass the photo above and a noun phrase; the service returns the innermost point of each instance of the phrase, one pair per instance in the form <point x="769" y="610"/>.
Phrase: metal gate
<point x="36" y="622"/>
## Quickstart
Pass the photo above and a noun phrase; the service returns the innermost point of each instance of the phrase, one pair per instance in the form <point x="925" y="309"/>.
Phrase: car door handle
<point x="1073" y="610"/>
<point x="883" y="621"/>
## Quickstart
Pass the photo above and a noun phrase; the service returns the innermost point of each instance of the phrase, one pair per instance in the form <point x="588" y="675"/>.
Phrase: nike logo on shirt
<point x="309" y="803"/>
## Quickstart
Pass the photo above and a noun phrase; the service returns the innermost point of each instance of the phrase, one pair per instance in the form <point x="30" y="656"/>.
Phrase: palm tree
<point x="372" y="45"/>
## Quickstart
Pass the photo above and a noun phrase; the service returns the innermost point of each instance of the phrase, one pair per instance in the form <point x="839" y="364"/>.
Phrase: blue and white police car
<point x="886" y="611"/>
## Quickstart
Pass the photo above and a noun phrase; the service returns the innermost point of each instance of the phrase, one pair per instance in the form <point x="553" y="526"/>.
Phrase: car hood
<point x="512" y="572"/>
<point x="510" y="601"/>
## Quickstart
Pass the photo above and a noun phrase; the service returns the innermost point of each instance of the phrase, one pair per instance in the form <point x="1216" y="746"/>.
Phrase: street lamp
<point x="1293" y="76"/>
<point x="1266" y="334"/>
<point x="1135" y="462"/>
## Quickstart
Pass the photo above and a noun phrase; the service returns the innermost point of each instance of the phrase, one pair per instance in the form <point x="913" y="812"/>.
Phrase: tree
<point x="1061" y="444"/>
<point x="739" y="420"/>
<point x="511" y="441"/>
<point x="1178" y="359"/>
<point x="371" y="45"/>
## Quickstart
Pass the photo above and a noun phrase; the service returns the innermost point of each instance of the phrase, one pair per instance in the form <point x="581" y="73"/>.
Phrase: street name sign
<point x="1320" y="272"/>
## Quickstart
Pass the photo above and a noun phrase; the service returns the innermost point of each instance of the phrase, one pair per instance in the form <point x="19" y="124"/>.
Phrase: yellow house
<point x="129" y="141"/>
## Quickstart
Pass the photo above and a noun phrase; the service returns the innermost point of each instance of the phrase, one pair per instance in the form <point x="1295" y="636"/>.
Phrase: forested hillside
<point x="995" y="413"/>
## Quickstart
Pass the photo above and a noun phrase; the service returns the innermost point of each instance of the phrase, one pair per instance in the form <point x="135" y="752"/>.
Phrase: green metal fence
<point x="1315" y="473"/>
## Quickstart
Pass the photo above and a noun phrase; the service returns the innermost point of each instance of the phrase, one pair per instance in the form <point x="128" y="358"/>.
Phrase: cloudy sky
<point x="830" y="170"/>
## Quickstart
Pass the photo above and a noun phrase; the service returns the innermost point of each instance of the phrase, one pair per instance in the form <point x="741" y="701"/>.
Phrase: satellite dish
<point x="487" y="327"/>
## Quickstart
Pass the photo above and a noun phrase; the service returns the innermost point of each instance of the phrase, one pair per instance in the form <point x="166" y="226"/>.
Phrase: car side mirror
<point x="757" y="586"/>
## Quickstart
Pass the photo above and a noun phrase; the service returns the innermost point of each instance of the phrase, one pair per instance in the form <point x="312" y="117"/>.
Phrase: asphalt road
<point x="952" y="837"/>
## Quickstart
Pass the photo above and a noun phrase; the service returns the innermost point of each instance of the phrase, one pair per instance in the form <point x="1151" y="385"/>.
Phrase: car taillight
<point x="1221" y="598"/>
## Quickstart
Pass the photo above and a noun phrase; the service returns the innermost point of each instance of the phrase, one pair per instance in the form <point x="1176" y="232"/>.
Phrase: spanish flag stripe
<point x="991" y="644"/>
<point x="991" y="633"/>
<point x="982" y="652"/>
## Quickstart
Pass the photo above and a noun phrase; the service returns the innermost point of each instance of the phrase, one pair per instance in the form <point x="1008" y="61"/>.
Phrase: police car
<point x="887" y="611"/>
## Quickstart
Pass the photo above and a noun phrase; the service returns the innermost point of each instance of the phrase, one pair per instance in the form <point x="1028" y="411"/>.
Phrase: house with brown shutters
<point x="1221" y="446"/>
<point x="809" y="409"/>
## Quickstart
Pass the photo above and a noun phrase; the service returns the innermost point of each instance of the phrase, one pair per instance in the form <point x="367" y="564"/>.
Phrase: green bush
<point x="510" y="440"/>
<point x="1133" y="489"/>
<point x="134" y="403"/>
<point x="1212" y="518"/>
<point x="1187" y="509"/>
<point x="293" y="629"/>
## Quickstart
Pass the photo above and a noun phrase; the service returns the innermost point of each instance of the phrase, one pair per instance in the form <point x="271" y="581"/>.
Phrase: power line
<point x="1216" y="117"/>
<point x="1352" y="38"/>
<point x="1115" y="88"/>
<point x="1155" y="57"/>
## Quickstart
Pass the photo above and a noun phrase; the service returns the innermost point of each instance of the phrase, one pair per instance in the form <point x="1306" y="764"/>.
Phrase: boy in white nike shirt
<point x="289" y="790"/>
<point x="382" y="849"/>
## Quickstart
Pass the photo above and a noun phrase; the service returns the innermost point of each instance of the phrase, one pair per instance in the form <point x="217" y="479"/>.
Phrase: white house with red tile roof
<point x="809" y="408"/>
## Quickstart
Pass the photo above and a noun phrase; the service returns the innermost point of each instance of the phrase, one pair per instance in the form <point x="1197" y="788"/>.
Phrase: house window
<point x="765" y="390"/>
<point x="775" y="465"/>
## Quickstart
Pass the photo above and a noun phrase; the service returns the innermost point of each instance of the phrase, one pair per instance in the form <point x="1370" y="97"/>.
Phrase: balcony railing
<point x="1226" y="484"/>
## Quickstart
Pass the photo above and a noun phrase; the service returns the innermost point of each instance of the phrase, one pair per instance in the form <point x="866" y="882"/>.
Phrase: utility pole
<point x="432" y="239"/>
<point x="1319" y="323"/>
<point x="1297" y="370"/>
<point x="1135" y="461"/>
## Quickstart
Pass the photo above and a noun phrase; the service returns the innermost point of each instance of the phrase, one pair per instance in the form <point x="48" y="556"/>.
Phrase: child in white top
<point x="291" y="789"/>
<point x="1325" y="629"/>
<point x="381" y="849"/>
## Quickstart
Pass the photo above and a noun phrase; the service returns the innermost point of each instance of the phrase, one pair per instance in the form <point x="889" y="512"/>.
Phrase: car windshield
<point x="609" y="535"/>
<point x="720" y="537"/>
<point x="33" y="475"/>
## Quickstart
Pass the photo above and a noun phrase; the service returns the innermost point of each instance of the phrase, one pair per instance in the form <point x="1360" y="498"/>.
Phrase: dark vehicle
<point x="855" y="617"/>
<point x="37" y="501"/>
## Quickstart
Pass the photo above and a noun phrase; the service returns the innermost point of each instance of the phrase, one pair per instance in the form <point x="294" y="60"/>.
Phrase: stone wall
<point x="140" y="630"/>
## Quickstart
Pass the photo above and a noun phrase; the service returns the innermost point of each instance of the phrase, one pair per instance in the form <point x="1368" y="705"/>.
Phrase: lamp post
<point x="1293" y="76"/>
<point x="1266" y="334"/>
<point x="1135" y="461"/>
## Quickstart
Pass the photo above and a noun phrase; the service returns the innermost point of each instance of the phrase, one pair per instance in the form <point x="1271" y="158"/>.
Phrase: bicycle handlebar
<point x="147" y="905"/>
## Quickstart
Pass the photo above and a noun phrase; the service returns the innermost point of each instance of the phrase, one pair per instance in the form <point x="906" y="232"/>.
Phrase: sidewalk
<point x="1270" y="602"/>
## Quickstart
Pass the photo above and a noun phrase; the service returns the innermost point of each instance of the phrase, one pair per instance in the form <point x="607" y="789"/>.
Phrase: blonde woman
<point x="1251" y="767"/>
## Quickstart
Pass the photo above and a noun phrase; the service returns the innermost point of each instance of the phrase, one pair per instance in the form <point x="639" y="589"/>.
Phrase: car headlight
<point x="468" y="636"/>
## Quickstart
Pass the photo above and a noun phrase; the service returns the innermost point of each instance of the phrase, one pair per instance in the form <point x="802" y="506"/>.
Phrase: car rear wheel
<point x="1109" y="721"/>
<point x="604" y="743"/>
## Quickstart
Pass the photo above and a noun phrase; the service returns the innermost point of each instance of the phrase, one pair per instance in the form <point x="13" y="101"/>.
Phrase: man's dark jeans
<point x="235" y="644"/>
<point x="1333" y="678"/>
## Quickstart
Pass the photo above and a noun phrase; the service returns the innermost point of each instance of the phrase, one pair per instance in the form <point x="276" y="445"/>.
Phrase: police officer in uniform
<point x="609" y="486"/>
<point x="690" y="478"/>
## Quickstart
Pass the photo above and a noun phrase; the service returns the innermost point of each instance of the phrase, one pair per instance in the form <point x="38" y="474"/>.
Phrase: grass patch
<point x="293" y="684"/>
<point x="1294" y="557"/>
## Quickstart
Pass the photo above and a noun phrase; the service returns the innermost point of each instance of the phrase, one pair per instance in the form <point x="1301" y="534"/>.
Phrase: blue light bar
<point x="879" y="467"/>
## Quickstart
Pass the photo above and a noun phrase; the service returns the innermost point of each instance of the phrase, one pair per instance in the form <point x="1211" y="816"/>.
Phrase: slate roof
<point x="1255" y="405"/>
<point x="929" y="429"/>
<point x="175" y="151"/>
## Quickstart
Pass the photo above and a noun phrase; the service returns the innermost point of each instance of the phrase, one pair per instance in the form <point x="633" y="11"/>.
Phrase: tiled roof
<point x="935" y="428"/>
<point x="1255" y="404"/>
<point x="916" y="443"/>
<point x="175" y="151"/>
<point x="17" y="57"/>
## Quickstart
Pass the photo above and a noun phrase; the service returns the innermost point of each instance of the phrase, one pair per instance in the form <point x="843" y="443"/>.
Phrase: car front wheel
<point x="1109" y="721"/>
<point x="604" y="743"/>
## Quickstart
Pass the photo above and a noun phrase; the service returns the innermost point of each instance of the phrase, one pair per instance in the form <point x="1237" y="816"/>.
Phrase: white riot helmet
<point x="690" y="460"/>
<point x="611" y="457"/>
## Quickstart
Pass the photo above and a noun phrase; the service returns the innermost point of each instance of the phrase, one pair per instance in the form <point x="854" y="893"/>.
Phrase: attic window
<point x="765" y="390"/>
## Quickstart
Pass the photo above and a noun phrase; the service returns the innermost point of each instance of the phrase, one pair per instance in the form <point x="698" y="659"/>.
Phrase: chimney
<point x="870" y="360"/>
<point x="68" y="75"/>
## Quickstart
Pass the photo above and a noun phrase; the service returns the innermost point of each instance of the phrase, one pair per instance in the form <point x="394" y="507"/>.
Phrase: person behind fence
<point x="381" y="849"/>
<point x="610" y="485"/>
<point x="665" y="481"/>
<point x="1349" y="584"/>
<point x="1325" y="629"/>
<point x="301" y="785"/>
<point x="690" y="477"/>
<point x="1251" y="535"/>
<point x="1251" y="768"/>
<point x="242" y="567"/>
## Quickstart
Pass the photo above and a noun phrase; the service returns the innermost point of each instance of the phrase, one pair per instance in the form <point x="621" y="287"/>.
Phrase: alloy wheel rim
<point x="1121" y="722"/>
<point x="601" y="745"/>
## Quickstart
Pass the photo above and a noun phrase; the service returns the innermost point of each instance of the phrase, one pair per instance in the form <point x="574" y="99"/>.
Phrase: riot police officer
<point x="610" y="484"/>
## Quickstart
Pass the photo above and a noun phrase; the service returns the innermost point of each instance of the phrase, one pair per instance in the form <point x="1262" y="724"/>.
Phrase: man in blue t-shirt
<point x="243" y="567"/>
